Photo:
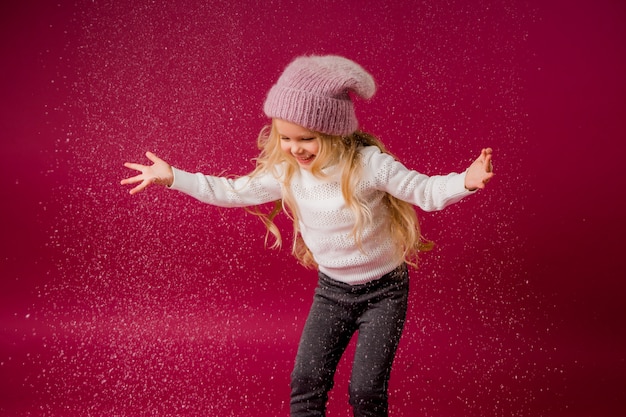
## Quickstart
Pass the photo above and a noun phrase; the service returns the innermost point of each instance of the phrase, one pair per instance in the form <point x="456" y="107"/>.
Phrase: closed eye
<point x="286" y="139"/>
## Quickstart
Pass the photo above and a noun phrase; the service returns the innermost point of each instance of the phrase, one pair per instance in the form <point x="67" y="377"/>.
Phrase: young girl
<point x="351" y="203"/>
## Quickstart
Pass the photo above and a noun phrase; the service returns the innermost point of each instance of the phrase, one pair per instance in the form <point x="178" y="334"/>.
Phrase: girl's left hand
<point x="480" y="172"/>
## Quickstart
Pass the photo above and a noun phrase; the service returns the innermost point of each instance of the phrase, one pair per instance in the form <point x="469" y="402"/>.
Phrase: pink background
<point x="157" y="305"/>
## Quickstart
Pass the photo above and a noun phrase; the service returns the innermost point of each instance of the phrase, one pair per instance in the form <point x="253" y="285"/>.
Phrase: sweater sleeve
<point x="227" y="192"/>
<point x="429" y="193"/>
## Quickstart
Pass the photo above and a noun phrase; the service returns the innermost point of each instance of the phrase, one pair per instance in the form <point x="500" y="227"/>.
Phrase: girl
<point x="351" y="203"/>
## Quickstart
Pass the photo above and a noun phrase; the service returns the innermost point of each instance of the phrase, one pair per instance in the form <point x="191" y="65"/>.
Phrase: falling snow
<point x="158" y="305"/>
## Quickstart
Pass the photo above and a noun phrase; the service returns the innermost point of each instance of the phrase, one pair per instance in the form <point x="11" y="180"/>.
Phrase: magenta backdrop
<point x="157" y="305"/>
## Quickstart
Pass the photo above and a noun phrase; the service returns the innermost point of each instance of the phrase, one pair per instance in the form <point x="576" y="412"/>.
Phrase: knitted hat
<point x="313" y="92"/>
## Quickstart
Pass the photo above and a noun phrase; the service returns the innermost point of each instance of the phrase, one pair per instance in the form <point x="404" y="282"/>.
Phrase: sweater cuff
<point x="183" y="181"/>
<point x="457" y="185"/>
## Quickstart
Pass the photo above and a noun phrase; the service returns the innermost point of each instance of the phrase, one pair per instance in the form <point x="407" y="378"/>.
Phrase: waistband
<point x="399" y="274"/>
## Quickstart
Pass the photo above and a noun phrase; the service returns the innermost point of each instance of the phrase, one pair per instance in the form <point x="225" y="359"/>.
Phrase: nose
<point x="296" y="149"/>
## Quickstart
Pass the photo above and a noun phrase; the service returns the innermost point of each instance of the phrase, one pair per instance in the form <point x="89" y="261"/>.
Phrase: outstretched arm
<point x="480" y="171"/>
<point x="160" y="173"/>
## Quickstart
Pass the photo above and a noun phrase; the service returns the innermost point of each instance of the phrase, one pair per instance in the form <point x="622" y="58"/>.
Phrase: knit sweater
<point x="325" y="220"/>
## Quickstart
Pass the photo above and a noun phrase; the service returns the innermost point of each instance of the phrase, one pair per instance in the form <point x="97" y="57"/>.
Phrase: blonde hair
<point x="342" y="153"/>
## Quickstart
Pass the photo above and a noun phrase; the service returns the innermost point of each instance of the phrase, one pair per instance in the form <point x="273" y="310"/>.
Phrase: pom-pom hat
<point x="313" y="92"/>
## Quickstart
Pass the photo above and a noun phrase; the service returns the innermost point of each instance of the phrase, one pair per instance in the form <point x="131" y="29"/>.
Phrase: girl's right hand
<point x="160" y="173"/>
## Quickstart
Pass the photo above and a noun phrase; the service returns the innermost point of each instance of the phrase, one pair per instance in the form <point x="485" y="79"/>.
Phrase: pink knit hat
<point x="313" y="92"/>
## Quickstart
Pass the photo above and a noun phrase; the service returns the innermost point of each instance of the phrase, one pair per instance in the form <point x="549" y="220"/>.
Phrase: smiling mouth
<point x="306" y="160"/>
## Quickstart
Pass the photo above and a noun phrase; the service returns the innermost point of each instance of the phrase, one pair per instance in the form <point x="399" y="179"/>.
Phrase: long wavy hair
<point x="341" y="153"/>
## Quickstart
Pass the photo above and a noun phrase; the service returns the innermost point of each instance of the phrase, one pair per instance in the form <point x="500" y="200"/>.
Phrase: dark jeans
<point x="376" y="310"/>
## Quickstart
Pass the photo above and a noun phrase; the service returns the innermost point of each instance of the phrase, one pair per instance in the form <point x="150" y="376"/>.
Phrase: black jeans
<point x="377" y="310"/>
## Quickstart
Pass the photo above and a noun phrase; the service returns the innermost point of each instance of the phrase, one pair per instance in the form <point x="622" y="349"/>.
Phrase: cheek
<point x="313" y="148"/>
<point x="285" y="147"/>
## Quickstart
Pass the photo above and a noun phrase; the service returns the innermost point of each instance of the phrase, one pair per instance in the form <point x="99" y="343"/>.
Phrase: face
<point x="298" y="142"/>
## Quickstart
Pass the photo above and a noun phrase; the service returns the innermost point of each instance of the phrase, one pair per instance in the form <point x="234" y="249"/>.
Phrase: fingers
<point x="152" y="157"/>
<point x="132" y="180"/>
<point x="486" y="155"/>
<point x="139" y="167"/>
<point x="140" y="187"/>
<point x="141" y="178"/>
<point x="136" y="167"/>
<point x="487" y="164"/>
<point x="143" y="183"/>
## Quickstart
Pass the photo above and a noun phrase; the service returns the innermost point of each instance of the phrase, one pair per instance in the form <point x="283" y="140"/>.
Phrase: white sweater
<point x="325" y="220"/>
